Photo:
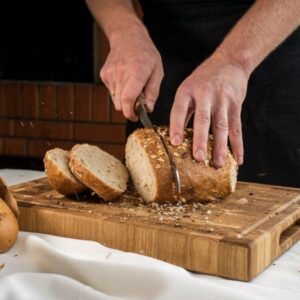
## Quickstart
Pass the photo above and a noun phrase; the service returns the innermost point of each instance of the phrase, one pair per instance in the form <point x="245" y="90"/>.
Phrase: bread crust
<point x="8" y="198"/>
<point x="89" y="179"/>
<point x="199" y="181"/>
<point x="59" y="180"/>
<point x="9" y="227"/>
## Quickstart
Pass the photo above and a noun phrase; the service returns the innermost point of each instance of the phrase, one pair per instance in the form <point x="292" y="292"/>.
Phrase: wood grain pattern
<point x="235" y="238"/>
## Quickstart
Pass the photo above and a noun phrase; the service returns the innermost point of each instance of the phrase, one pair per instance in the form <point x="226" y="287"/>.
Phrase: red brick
<point x="82" y="102"/>
<point x="44" y="129"/>
<point x="38" y="148"/>
<point x="99" y="133"/>
<point x="47" y="97"/>
<point x="2" y="100"/>
<point x="13" y="99"/>
<point x="117" y="116"/>
<point x="13" y="146"/>
<point x="64" y="97"/>
<point x="100" y="103"/>
<point x="6" y="127"/>
<point x="30" y="100"/>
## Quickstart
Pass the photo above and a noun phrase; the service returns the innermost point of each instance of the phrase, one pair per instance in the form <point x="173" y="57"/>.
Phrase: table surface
<point x="87" y="270"/>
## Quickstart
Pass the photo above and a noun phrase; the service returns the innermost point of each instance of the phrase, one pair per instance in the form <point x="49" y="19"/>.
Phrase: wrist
<point x="242" y="59"/>
<point x="131" y="27"/>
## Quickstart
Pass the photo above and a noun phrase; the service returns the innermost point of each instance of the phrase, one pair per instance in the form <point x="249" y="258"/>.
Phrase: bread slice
<point x="100" y="171"/>
<point x="56" y="164"/>
<point x="151" y="174"/>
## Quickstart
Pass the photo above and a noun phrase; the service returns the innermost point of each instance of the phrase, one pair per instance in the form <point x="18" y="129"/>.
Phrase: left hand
<point x="215" y="92"/>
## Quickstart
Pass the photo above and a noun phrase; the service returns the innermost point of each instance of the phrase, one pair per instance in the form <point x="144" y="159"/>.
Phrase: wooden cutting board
<point x="235" y="238"/>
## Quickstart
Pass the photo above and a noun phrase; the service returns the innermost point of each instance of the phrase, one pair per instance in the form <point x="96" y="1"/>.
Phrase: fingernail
<point x="199" y="155"/>
<point x="219" y="162"/>
<point x="176" y="140"/>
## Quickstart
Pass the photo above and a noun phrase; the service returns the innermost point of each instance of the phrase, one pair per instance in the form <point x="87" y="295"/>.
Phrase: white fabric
<point x="47" y="267"/>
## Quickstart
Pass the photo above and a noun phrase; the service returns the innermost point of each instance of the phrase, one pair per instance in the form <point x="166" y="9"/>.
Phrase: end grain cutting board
<point x="235" y="238"/>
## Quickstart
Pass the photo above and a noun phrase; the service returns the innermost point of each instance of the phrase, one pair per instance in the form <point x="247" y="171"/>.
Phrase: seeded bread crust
<point x="58" y="179"/>
<point x="199" y="181"/>
<point x="89" y="179"/>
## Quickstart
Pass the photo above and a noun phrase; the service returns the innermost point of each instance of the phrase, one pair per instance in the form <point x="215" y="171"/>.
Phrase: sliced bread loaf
<point x="100" y="171"/>
<point x="56" y="164"/>
<point x="151" y="173"/>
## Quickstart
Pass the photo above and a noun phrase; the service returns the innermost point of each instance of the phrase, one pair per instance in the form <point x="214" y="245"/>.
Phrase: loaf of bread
<point x="103" y="173"/>
<point x="9" y="211"/>
<point x="9" y="227"/>
<point x="56" y="164"/>
<point x="151" y="174"/>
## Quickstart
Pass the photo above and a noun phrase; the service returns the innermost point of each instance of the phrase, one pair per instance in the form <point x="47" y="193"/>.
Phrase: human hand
<point x="132" y="66"/>
<point x="215" y="92"/>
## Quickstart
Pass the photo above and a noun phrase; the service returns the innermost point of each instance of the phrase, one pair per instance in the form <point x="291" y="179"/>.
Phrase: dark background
<point x="46" y="40"/>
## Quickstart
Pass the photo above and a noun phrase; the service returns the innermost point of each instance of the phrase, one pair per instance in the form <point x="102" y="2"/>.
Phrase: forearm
<point x="115" y="16"/>
<point x="259" y="32"/>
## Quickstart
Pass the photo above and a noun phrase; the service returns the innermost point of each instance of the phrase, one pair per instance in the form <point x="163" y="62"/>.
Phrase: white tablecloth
<point x="42" y="266"/>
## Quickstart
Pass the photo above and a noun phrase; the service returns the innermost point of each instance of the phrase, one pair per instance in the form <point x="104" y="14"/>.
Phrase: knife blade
<point x="141" y="111"/>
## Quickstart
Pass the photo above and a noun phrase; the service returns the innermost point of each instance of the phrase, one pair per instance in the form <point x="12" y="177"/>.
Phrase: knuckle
<point x="221" y="125"/>
<point x="202" y="117"/>
<point x="126" y="99"/>
<point x="103" y="74"/>
<point x="236" y="131"/>
<point x="179" y="108"/>
<point x="152" y="94"/>
<point x="184" y="88"/>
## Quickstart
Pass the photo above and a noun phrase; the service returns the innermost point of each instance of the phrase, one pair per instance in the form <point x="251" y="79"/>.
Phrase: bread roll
<point x="151" y="173"/>
<point x="56" y="164"/>
<point x="100" y="171"/>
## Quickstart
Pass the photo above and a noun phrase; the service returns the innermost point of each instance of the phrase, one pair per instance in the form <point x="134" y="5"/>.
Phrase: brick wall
<point x="37" y="116"/>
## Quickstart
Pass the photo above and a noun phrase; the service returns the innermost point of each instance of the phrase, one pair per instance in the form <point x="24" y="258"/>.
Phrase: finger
<point x="132" y="89"/>
<point x="108" y="76"/>
<point x="190" y="112"/>
<point x="236" y="136"/>
<point x="220" y="132"/>
<point x="152" y="88"/>
<point x="201" y="127"/>
<point x="178" y="116"/>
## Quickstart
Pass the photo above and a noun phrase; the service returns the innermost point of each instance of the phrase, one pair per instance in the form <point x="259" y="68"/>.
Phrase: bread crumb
<point x="158" y="166"/>
<point x="2" y="266"/>
<point x="242" y="201"/>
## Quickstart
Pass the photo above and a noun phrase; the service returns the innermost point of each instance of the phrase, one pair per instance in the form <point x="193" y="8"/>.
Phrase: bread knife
<point x="141" y="111"/>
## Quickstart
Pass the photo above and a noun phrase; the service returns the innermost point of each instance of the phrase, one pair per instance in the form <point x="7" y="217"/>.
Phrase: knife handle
<point x="140" y="101"/>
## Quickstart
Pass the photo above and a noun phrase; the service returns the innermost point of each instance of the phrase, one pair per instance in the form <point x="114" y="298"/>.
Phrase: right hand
<point x="132" y="66"/>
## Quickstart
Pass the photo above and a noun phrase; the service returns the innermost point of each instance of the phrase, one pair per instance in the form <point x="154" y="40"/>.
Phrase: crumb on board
<point x="2" y="266"/>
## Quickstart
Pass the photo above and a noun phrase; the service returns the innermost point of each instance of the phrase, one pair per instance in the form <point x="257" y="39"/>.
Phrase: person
<point x="232" y="64"/>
